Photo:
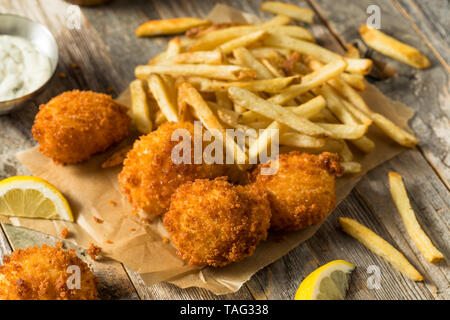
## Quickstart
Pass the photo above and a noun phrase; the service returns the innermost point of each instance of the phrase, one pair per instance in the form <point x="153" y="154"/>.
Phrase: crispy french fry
<point x="335" y="105"/>
<point x="200" y="57"/>
<point x="294" y="139"/>
<point x="309" y="108"/>
<point x="344" y="131"/>
<point x="310" y="81"/>
<point x="246" y="59"/>
<point x="361" y="66"/>
<point x="292" y="31"/>
<point x="271" y="53"/>
<point x="265" y="139"/>
<point x="271" y="110"/>
<point x="278" y="20"/>
<point x="195" y="100"/>
<point x="356" y="81"/>
<point x="223" y="100"/>
<point x="242" y="41"/>
<point x="223" y="72"/>
<point x="169" y="26"/>
<point x="412" y="226"/>
<point x="397" y="134"/>
<point x="163" y="97"/>
<point x="357" y="113"/>
<point x="351" y="95"/>
<point x="380" y="247"/>
<point x="160" y="118"/>
<point x="290" y="10"/>
<point x="364" y="144"/>
<point x="351" y="167"/>
<point x="393" y="48"/>
<point x="345" y="154"/>
<point x="352" y="52"/>
<point x="139" y="107"/>
<point x="275" y="72"/>
<point x="271" y="85"/>
<point x="173" y="48"/>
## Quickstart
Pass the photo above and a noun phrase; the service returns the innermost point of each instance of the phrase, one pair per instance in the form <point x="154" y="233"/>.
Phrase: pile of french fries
<point x="267" y="76"/>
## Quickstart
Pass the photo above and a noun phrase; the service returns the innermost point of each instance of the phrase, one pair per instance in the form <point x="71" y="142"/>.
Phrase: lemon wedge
<point x="329" y="282"/>
<point x="32" y="197"/>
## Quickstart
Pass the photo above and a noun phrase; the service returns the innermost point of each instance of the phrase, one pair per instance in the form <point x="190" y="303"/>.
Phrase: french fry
<point x="351" y="167"/>
<point x="397" y="134"/>
<point x="270" y="53"/>
<point x="351" y="95"/>
<point x="278" y="20"/>
<point x="289" y="10"/>
<point x="292" y="31"/>
<point x="412" y="226"/>
<point x="265" y="139"/>
<point x="357" y="113"/>
<point x="271" y="85"/>
<point x="160" y="118"/>
<point x="393" y="48"/>
<point x="346" y="154"/>
<point x="344" y="131"/>
<point x="246" y="59"/>
<point x="271" y="110"/>
<point x="380" y="247"/>
<point x="169" y="26"/>
<point x="223" y="101"/>
<point x="195" y="100"/>
<point x="173" y="49"/>
<point x="294" y="139"/>
<point x="364" y="144"/>
<point x="309" y="108"/>
<point x="356" y="81"/>
<point x="242" y="41"/>
<point x="335" y="105"/>
<point x="361" y="66"/>
<point x="139" y="107"/>
<point x="116" y="158"/>
<point x="199" y="57"/>
<point x="352" y="52"/>
<point x="275" y="72"/>
<point x="163" y="97"/>
<point x="310" y="81"/>
<point x="223" y="72"/>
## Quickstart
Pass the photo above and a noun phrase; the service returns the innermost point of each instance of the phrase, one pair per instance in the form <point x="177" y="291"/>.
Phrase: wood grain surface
<point x="102" y="54"/>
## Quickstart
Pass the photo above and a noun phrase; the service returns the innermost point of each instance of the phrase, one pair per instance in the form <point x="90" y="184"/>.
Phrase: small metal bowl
<point x="43" y="41"/>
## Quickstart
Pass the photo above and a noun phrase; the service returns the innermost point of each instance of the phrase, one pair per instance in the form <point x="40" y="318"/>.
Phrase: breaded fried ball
<point x="73" y="126"/>
<point x="44" y="274"/>
<point x="214" y="223"/>
<point x="149" y="176"/>
<point x="302" y="192"/>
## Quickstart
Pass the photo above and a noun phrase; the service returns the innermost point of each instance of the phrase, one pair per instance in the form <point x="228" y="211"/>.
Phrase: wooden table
<point x="106" y="51"/>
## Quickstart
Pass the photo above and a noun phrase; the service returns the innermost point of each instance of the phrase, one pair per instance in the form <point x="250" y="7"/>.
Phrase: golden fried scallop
<point x="149" y="176"/>
<point x="73" y="126"/>
<point x="44" y="274"/>
<point x="214" y="223"/>
<point x="302" y="192"/>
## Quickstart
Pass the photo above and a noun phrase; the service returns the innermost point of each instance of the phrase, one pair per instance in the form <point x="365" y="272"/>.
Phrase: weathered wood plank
<point x="114" y="283"/>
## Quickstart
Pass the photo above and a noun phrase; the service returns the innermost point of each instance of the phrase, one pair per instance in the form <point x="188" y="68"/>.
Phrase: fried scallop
<point x="45" y="274"/>
<point x="302" y="192"/>
<point x="214" y="223"/>
<point x="150" y="176"/>
<point x="74" y="125"/>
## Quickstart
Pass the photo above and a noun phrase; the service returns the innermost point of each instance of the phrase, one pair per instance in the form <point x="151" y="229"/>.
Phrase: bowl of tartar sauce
<point x="28" y="60"/>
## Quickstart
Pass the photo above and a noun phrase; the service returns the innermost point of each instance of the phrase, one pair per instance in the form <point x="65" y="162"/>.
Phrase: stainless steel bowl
<point x="44" y="42"/>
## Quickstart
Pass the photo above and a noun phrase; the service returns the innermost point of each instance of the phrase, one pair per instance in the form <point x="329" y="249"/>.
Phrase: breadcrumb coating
<point x="302" y="192"/>
<point x="149" y="176"/>
<point x="74" y="125"/>
<point x="214" y="223"/>
<point x="43" y="274"/>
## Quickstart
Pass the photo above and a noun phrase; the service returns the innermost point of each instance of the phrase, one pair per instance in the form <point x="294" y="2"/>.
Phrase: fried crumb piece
<point x="98" y="220"/>
<point x="165" y="239"/>
<point x="64" y="233"/>
<point x="132" y="229"/>
<point x="113" y="203"/>
<point x="325" y="249"/>
<point x="109" y="242"/>
<point x="93" y="251"/>
<point x="116" y="158"/>
<point x="74" y="65"/>
<point x="62" y="75"/>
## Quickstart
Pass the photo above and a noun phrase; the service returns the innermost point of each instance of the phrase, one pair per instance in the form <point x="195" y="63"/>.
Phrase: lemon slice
<point x="329" y="282"/>
<point x="32" y="197"/>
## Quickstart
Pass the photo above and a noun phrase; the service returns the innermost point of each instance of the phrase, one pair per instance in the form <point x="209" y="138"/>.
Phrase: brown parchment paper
<point x="90" y="189"/>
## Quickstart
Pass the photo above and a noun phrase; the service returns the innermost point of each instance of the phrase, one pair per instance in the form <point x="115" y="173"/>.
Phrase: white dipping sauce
<point x="23" y="68"/>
